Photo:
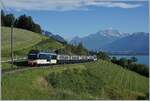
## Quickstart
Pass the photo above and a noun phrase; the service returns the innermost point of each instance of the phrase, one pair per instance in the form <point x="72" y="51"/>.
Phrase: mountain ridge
<point x="54" y="36"/>
<point x="137" y="42"/>
<point x="104" y="39"/>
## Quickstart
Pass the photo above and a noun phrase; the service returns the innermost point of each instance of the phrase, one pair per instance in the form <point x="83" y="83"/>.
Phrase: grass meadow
<point x="96" y="80"/>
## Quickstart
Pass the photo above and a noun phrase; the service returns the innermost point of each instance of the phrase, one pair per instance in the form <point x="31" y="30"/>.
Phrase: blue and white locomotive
<point x="45" y="58"/>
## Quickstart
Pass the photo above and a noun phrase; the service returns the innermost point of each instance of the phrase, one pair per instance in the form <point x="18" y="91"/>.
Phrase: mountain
<point x="112" y="33"/>
<point x="111" y="40"/>
<point x="137" y="42"/>
<point x="47" y="33"/>
<point x="55" y="37"/>
<point x="97" y="40"/>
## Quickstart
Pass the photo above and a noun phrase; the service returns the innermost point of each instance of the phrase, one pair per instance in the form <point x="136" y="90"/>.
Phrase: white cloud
<point x="112" y="4"/>
<point x="63" y="5"/>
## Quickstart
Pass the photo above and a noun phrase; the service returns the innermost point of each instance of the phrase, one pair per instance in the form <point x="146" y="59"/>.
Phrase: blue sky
<point x="80" y="19"/>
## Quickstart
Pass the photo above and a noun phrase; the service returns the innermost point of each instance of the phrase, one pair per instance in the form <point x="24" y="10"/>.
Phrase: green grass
<point x="96" y="80"/>
<point x="24" y="41"/>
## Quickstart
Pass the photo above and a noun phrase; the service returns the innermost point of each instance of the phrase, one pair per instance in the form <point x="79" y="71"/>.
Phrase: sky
<point x="70" y="18"/>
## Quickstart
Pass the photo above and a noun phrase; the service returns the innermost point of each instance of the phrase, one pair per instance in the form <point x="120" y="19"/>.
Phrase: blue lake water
<point x="142" y="59"/>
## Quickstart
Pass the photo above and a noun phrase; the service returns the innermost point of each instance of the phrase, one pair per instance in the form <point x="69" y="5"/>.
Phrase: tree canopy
<point x="23" y="21"/>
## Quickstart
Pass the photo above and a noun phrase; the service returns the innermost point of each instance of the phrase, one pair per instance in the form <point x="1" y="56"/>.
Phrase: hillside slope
<point x="95" y="80"/>
<point x="24" y="41"/>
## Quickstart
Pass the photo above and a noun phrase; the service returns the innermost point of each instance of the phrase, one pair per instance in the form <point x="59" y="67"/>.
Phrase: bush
<point x="132" y="65"/>
<point x="103" y="56"/>
<point x="76" y="80"/>
<point x="139" y="68"/>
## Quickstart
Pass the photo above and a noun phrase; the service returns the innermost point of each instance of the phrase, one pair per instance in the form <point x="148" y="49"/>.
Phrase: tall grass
<point x="95" y="80"/>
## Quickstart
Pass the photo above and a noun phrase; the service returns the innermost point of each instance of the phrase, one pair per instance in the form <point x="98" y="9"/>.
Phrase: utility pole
<point x="11" y="44"/>
<point x="11" y="36"/>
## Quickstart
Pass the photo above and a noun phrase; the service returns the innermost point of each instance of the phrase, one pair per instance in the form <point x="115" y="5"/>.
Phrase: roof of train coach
<point x="41" y="52"/>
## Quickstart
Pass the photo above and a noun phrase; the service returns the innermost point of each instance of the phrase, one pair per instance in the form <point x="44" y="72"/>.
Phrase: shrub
<point x="132" y="65"/>
<point x="76" y="80"/>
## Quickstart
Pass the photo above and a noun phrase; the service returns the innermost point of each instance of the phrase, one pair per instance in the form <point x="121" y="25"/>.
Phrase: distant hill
<point x="99" y="39"/>
<point x="24" y="41"/>
<point x="55" y="37"/>
<point x="137" y="42"/>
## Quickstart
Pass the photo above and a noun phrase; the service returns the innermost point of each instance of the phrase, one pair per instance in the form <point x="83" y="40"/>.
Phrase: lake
<point x="142" y="59"/>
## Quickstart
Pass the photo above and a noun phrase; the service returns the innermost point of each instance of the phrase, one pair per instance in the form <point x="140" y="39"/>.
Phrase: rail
<point x="15" y="59"/>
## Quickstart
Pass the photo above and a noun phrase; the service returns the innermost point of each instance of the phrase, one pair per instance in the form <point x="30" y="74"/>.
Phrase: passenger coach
<point x="45" y="58"/>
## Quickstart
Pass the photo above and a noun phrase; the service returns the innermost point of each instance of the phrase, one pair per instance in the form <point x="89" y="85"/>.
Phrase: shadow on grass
<point x="16" y="65"/>
<point x="21" y="63"/>
<point x="146" y="97"/>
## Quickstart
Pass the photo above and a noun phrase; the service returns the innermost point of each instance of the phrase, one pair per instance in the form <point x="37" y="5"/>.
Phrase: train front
<point x="41" y="58"/>
<point x="32" y="59"/>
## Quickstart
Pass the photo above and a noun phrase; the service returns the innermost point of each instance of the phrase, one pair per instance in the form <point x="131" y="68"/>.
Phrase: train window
<point x="53" y="57"/>
<point x="32" y="57"/>
<point x="44" y="56"/>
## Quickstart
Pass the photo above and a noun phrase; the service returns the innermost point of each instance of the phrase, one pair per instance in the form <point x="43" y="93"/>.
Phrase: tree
<point x="2" y="18"/>
<point x="8" y="20"/>
<point x="103" y="56"/>
<point x="36" y="28"/>
<point x="26" y="22"/>
<point x="80" y="46"/>
<point x="80" y="50"/>
<point x="114" y="59"/>
<point x="123" y="62"/>
<point x="134" y="59"/>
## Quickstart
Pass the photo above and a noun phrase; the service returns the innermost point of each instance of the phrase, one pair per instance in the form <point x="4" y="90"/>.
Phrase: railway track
<point x="23" y="68"/>
<point x="15" y="59"/>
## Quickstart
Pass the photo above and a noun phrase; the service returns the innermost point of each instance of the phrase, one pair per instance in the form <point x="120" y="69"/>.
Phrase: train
<point x="47" y="58"/>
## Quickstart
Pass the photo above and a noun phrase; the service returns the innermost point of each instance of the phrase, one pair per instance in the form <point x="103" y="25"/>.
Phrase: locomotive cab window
<point x="32" y="56"/>
<point x="44" y="56"/>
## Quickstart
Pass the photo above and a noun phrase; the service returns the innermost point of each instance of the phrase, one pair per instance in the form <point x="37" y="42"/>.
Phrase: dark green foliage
<point x="114" y="59"/>
<point x="24" y="22"/>
<point x="132" y="65"/>
<point x="36" y="28"/>
<point x="103" y="56"/>
<point x="92" y="52"/>
<point x="139" y="68"/>
<point x="146" y="97"/>
<point x="2" y="17"/>
<point x="133" y="59"/>
<point x="123" y="62"/>
<point x="7" y="20"/>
